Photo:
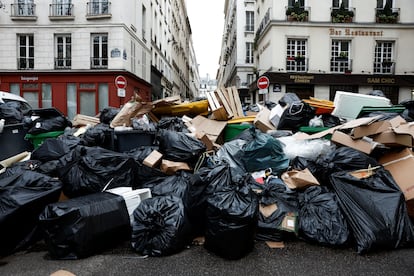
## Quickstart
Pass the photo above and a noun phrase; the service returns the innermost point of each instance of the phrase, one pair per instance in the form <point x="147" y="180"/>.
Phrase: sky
<point x="207" y="23"/>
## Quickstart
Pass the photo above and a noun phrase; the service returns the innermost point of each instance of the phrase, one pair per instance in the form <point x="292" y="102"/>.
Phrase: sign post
<point x="263" y="84"/>
<point x="121" y="84"/>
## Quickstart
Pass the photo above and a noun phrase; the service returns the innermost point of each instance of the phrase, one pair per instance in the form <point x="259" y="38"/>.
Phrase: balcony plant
<point x="386" y="15"/>
<point x="342" y="15"/>
<point x="387" y="63"/>
<point x="297" y="13"/>
<point x="343" y="56"/>
<point x="299" y="58"/>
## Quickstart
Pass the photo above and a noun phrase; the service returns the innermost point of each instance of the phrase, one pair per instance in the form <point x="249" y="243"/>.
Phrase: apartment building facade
<point x="237" y="61"/>
<point x="316" y="47"/>
<point x="82" y="56"/>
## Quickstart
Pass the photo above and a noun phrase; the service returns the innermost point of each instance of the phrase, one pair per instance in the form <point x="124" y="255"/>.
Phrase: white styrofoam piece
<point x="348" y="105"/>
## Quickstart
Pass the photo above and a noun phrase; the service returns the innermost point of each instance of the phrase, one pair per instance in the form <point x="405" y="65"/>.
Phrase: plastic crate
<point x="37" y="139"/>
<point x="12" y="141"/>
<point x="130" y="139"/>
<point x="232" y="130"/>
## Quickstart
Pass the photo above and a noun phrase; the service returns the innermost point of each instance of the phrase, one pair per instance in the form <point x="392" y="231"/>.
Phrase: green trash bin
<point x="232" y="130"/>
<point x="37" y="139"/>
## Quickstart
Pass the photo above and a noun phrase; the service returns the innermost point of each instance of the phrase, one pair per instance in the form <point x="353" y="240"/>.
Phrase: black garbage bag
<point x="99" y="135"/>
<point x="232" y="153"/>
<point x="278" y="212"/>
<point x="44" y="125"/>
<point x="82" y="226"/>
<point x="140" y="153"/>
<point x="108" y="114"/>
<point x="160" y="226"/>
<point x="264" y="152"/>
<point x="87" y="170"/>
<point x="178" y="146"/>
<point x="54" y="148"/>
<point x="202" y="185"/>
<point x="375" y="210"/>
<point x="177" y="185"/>
<point x="297" y="114"/>
<point x="232" y="214"/>
<point x="173" y="124"/>
<point x="341" y="159"/>
<point x="23" y="196"/>
<point x="320" y="218"/>
<point x="11" y="113"/>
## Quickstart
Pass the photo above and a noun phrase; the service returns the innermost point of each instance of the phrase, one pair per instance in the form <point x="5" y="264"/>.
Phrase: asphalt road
<point x="296" y="258"/>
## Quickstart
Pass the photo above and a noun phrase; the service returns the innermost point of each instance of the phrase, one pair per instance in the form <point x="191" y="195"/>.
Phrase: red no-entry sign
<point x="263" y="82"/>
<point x="120" y="82"/>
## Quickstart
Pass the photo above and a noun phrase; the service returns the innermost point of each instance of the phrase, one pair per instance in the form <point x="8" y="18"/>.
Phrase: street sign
<point x="263" y="82"/>
<point x="120" y="82"/>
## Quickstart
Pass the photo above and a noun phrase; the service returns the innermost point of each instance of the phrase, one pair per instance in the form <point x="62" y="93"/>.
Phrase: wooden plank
<point x="224" y="102"/>
<point x="231" y="101"/>
<point x="220" y="114"/>
<point x="237" y="102"/>
<point x="211" y="103"/>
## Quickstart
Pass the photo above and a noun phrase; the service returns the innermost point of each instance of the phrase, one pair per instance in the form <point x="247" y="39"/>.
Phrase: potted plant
<point x="342" y="15"/>
<point x="387" y="63"/>
<point x="386" y="15"/>
<point x="343" y="56"/>
<point x="299" y="58"/>
<point x="297" y="13"/>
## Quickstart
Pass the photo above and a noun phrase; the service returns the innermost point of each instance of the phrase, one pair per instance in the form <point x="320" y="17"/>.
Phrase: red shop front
<point x="74" y="93"/>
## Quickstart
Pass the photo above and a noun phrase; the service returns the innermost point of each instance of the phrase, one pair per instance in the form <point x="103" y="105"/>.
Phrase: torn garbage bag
<point x="160" y="226"/>
<point x="320" y="218"/>
<point x="82" y="226"/>
<point x="374" y="208"/>
<point x="23" y="196"/>
<point x="232" y="213"/>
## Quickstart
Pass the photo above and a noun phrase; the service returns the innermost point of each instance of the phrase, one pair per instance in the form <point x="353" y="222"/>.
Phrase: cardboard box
<point x="401" y="166"/>
<point x="392" y="139"/>
<point x="153" y="160"/>
<point x="212" y="128"/>
<point x="363" y="145"/>
<point x="377" y="127"/>
<point x="171" y="167"/>
<point x="262" y="121"/>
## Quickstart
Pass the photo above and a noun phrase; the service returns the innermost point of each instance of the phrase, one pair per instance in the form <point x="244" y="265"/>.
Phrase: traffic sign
<point x="120" y="82"/>
<point x="263" y="82"/>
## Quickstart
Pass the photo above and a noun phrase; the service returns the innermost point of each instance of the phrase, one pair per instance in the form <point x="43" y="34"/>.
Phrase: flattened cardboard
<point x="373" y="128"/>
<point x="392" y="139"/>
<point x="358" y="144"/>
<point x="171" y="167"/>
<point x="401" y="166"/>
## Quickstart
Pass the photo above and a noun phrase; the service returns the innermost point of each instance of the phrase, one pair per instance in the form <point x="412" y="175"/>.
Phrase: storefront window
<point x="46" y="95"/>
<point x="32" y="98"/>
<point x="103" y="96"/>
<point x="71" y="100"/>
<point x="87" y="103"/>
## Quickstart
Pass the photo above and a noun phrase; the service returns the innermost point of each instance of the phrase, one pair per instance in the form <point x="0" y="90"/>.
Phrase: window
<point x="337" y="3"/>
<point x="25" y="52"/>
<point x="346" y="88"/>
<point x="71" y="100"/>
<point x="25" y="8"/>
<point x="301" y="3"/>
<point x="250" y="78"/>
<point x="133" y="57"/>
<point x="144" y="22"/>
<point x="340" y="52"/>
<point x="296" y="55"/>
<point x="62" y="8"/>
<point x="390" y="92"/>
<point x="63" y="51"/>
<point x="249" y="52"/>
<point x="99" y="7"/>
<point x="99" y="51"/>
<point x="249" y="21"/>
<point x="382" y="3"/>
<point x="383" y="59"/>
<point x="46" y="95"/>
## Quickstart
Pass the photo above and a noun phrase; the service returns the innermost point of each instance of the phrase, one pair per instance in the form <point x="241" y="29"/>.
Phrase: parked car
<point x="9" y="97"/>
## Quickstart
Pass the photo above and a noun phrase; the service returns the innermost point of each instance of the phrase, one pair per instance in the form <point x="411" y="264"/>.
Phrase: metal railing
<point x="99" y="63"/>
<point x="97" y="8"/>
<point x="57" y="10"/>
<point x="22" y="10"/>
<point x="63" y="63"/>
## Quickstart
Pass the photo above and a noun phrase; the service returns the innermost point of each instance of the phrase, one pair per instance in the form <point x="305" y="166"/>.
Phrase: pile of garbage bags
<point x="257" y="187"/>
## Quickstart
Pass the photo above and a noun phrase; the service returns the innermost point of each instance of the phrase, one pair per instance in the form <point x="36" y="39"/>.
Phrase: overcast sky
<point x="206" y="20"/>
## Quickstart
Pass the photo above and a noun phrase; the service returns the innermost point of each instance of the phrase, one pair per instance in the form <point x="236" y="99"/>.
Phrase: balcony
<point x="297" y="13"/>
<point x="63" y="63"/>
<point x="387" y="15"/>
<point x="25" y="63"/>
<point x="384" y="67"/>
<point x="99" y="63"/>
<point x="98" y="10"/>
<point x="342" y="15"/>
<point x="297" y="64"/>
<point x="23" y="12"/>
<point x="61" y="12"/>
